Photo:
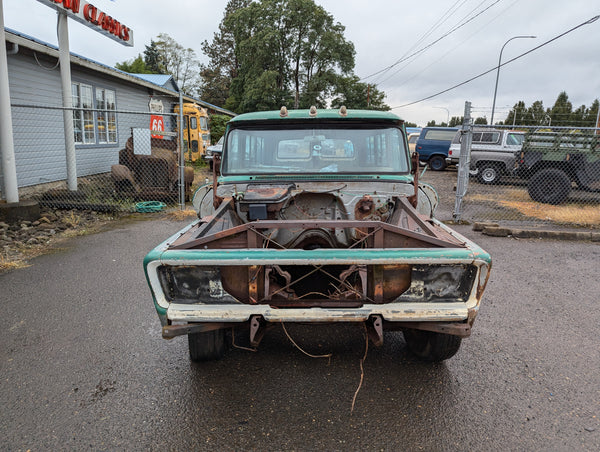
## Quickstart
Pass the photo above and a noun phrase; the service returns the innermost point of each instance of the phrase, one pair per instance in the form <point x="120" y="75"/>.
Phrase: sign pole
<point x="181" y="154"/>
<point x="65" y="78"/>
<point x="7" y="145"/>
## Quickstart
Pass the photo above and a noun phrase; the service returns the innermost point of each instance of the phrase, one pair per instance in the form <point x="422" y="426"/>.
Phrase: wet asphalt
<point x="83" y="364"/>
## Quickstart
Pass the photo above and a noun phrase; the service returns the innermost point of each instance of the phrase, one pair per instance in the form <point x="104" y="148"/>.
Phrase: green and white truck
<point x="317" y="216"/>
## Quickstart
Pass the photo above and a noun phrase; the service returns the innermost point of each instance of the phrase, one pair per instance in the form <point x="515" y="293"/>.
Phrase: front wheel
<point x="550" y="186"/>
<point x="488" y="173"/>
<point x="437" y="163"/>
<point x="207" y="346"/>
<point x="431" y="346"/>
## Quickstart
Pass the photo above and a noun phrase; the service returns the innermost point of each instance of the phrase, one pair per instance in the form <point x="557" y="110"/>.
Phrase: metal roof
<point x="157" y="79"/>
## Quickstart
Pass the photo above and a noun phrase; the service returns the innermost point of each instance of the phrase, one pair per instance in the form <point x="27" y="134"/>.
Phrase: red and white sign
<point x="98" y="20"/>
<point x="157" y="123"/>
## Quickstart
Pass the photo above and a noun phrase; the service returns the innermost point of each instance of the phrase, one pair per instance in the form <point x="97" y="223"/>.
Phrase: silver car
<point x="214" y="148"/>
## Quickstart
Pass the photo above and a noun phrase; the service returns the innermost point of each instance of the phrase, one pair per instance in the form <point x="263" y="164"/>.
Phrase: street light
<point x="447" y="111"/>
<point x="498" y="72"/>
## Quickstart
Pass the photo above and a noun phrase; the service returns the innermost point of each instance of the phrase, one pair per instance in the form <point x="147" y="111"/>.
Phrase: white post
<point x="65" y="78"/>
<point x="7" y="146"/>
<point x="181" y="155"/>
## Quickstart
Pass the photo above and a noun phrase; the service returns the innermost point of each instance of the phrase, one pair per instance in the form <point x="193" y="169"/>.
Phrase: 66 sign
<point x="157" y="124"/>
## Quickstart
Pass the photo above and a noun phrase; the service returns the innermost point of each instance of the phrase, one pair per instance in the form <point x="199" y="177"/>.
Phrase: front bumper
<point x="391" y="312"/>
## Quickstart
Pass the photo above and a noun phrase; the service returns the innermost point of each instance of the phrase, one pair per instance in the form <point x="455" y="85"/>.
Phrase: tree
<point x="216" y="77"/>
<point x="455" y="121"/>
<point x="152" y="58"/>
<point x="517" y="114"/>
<point x="349" y="91"/>
<point x="480" y="120"/>
<point x="270" y="53"/>
<point x="178" y="61"/>
<point x="536" y="115"/>
<point x="135" y="66"/>
<point x="591" y="114"/>
<point x="217" y="126"/>
<point x="561" y="114"/>
<point x="561" y="111"/>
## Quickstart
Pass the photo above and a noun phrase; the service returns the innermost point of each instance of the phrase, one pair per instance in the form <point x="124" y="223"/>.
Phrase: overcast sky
<point x="384" y="32"/>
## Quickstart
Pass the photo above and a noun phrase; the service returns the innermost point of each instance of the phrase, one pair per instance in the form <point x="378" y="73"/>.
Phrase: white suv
<point x="493" y="153"/>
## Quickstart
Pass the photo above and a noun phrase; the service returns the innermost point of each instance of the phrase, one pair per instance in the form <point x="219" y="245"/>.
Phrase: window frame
<point x="97" y="112"/>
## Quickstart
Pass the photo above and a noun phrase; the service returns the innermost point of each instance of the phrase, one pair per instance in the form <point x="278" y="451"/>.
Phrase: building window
<point x="94" y="127"/>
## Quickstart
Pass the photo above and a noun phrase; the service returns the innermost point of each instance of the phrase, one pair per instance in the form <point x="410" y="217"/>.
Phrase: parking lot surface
<point x="83" y="364"/>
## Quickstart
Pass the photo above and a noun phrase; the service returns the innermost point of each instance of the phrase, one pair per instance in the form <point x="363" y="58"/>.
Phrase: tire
<point x="207" y="346"/>
<point x="188" y="192"/>
<point x="549" y="186"/>
<point x="488" y="173"/>
<point x="437" y="163"/>
<point x="430" y="346"/>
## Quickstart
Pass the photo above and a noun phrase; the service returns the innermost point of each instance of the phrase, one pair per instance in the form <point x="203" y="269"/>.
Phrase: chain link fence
<point x="123" y="159"/>
<point x="523" y="175"/>
<point x="518" y="175"/>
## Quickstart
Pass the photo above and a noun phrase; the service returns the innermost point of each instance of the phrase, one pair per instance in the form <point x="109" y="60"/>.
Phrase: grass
<point x="7" y="264"/>
<point x="181" y="214"/>
<point x="576" y="214"/>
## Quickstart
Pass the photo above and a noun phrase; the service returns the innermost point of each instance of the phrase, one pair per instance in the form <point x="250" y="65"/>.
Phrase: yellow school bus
<point x="196" y="134"/>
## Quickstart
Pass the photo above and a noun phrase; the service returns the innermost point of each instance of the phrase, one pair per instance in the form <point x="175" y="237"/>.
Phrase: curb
<point x="495" y="230"/>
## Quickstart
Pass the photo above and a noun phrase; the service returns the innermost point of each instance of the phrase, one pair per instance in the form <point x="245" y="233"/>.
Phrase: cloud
<point x="383" y="32"/>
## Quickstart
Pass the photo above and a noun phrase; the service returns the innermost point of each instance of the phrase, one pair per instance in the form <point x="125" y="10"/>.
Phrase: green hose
<point x="149" y="206"/>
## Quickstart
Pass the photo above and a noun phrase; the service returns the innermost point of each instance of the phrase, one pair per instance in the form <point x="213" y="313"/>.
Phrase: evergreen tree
<point x="152" y="58"/>
<point x="135" y="66"/>
<point x="561" y="111"/>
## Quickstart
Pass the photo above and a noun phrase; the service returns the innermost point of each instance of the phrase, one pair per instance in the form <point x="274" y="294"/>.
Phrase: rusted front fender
<point x="121" y="173"/>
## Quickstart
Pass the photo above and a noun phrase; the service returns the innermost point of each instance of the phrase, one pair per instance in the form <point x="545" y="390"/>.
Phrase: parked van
<point x="433" y="145"/>
<point x="493" y="153"/>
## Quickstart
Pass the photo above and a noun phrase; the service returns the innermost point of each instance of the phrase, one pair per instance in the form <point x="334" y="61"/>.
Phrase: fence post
<point x="463" y="162"/>
<point x="181" y="155"/>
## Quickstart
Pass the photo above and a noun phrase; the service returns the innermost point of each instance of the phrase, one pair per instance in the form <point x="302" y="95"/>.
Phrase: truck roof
<point x="321" y="114"/>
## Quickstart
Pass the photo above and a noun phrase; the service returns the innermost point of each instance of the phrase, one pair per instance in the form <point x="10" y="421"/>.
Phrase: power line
<point x="443" y="18"/>
<point x="446" y="55"/>
<point x="410" y="63"/>
<point x="430" y="44"/>
<point x="593" y="19"/>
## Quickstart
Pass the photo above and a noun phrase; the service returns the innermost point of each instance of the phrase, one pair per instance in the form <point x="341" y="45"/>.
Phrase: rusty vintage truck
<point x="317" y="216"/>
<point x="152" y="176"/>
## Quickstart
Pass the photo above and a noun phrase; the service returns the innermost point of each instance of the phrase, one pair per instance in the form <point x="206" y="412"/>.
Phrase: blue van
<point x="433" y="145"/>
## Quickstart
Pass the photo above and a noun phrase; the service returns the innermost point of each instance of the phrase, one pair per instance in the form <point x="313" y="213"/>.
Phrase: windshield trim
<point x="397" y="161"/>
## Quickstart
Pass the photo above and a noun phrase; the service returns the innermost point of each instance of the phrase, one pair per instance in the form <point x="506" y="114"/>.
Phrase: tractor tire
<point x="549" y="186"/>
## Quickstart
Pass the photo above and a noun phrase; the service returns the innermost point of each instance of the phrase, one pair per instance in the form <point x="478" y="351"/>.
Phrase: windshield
<point x="515" y="139"/>
<point x="323" y="150"/>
